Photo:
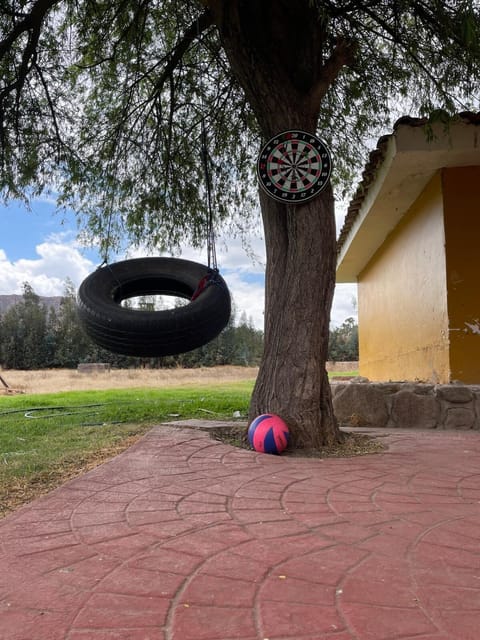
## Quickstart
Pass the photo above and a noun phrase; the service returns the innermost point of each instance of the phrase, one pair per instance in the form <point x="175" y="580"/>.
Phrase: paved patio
<point x="185" y="538"/>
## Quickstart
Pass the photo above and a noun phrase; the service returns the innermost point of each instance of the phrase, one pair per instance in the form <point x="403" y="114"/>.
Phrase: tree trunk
<point x="276" y="56"/>
<point x="300" y="280"/>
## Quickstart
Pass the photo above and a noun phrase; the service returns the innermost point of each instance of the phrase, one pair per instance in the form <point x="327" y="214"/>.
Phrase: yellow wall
<point x="402" y="306"/>
<point x="462" y="225"/>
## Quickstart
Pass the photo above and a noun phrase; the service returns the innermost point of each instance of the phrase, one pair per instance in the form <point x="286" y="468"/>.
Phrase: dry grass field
<point x="55" y="380"/>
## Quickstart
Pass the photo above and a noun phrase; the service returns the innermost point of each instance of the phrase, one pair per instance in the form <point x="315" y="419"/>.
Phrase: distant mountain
<point x="6" y="301"/>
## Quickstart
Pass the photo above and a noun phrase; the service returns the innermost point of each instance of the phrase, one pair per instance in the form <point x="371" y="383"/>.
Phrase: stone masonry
<point x="406" y="405"/>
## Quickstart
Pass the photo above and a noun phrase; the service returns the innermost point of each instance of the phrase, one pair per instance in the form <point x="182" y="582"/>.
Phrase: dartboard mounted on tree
<point x="294" y="166"/>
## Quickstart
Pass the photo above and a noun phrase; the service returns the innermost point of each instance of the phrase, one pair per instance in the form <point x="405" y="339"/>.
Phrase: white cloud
<point x="243" y="273"/>
<point x="341" y="208"/>
<point x="60" y="258"/>
<point x="47" y="273"/>
<point x="231" y="254"/>
<point x="248" y="296"/>
<point x="344" y="304"/>
<point x="245" y="278"/>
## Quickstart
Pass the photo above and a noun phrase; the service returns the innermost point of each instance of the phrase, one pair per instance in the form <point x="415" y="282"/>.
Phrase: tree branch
<point x="50" y="103"/>
<point x="28" y="61"/>
<point x="201" y="24"/>
<point x="31" y="21"/>
<point x="31" y="24"/>
<point x="342" y="55"/>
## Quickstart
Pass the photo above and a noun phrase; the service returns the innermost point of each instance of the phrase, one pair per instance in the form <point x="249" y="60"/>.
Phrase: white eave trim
<point x="409" y="162"/>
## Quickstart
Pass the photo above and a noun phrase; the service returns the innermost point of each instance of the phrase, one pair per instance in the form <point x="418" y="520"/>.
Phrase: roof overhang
<point x="409" y="159"/>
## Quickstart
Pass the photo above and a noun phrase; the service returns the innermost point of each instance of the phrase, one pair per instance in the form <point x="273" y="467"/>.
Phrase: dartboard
<point x="294" y="166"/>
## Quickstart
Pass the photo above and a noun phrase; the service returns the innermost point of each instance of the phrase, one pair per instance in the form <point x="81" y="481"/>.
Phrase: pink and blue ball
<point x="268" y="433"/>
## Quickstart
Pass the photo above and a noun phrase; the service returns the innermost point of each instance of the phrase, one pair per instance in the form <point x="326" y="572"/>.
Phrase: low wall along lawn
<point x="406" y="405"/>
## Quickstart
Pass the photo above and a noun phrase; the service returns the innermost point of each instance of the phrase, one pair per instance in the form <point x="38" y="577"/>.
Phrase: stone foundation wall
<point x="406" y="405"/>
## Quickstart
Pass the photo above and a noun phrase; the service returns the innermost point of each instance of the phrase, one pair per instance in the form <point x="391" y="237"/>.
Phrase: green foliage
<point x="238" y="344"/>
<point x="105" y="100"/>
<point x="31" y="337"/>
<point x="343" y="345"/>
<point x="39" y="433"/>
<point x="342" y="374"/>
<point x="25" y="343"/>
<point x="70" y="342"/>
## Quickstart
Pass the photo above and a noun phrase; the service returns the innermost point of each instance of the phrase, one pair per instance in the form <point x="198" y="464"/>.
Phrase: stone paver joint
<point x="185" y="538"/>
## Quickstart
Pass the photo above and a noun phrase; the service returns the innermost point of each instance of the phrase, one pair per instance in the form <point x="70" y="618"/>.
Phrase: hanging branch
<point x="32" y="21"/>
<point x="201" y="24"/>
<point x="343" y="55"/>
<point x="30" y="24"/>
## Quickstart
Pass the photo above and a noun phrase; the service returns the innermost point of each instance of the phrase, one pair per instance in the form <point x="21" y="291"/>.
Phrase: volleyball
<point x="268" y="433"/>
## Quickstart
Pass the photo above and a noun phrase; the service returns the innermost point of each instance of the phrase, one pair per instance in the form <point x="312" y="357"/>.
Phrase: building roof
<point x="396" y="173"/>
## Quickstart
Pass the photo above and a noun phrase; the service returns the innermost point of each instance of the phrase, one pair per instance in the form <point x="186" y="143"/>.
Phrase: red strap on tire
<point x="202" y="285"/>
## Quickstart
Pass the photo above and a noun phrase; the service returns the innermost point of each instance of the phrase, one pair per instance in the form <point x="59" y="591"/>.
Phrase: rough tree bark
<point x="278" y="59"/>
<point x="300" y="279"/>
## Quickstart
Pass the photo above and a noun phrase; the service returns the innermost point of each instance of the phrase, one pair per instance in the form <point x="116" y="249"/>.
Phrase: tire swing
<point x="156" y="333"/>
<point x="153" y="333"/>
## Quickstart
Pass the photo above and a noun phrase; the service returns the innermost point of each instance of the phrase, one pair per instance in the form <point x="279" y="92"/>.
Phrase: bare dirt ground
<point x="53" y="380"/>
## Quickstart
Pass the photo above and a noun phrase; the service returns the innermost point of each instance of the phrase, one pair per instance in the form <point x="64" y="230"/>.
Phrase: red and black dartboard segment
<point x="294" y="166"/>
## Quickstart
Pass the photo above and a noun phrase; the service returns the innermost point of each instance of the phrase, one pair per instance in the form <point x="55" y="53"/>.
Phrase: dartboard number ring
<point x="294" y="166"/>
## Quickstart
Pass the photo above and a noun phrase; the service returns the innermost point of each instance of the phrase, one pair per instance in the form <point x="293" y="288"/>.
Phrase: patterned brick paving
<point x="185" y="538"/>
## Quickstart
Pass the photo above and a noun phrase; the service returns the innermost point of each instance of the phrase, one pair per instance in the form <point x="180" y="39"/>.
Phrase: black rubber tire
<point x="152" y="333"/>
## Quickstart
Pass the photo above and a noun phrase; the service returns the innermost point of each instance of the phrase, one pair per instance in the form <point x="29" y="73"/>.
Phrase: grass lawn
<point x="46" y="439"/>
<point x="343" y="374"/>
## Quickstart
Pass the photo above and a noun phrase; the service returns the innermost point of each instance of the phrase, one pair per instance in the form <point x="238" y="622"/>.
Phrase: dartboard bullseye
<point x="294" y="166"/>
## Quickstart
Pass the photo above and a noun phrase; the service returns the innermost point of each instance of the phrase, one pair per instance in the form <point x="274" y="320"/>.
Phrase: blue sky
<point x="41" y="247"/>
